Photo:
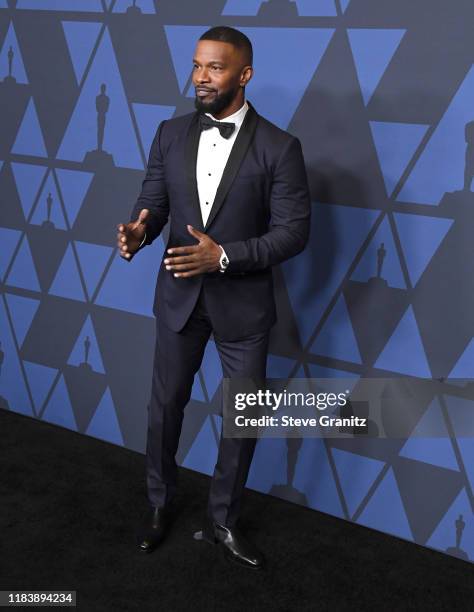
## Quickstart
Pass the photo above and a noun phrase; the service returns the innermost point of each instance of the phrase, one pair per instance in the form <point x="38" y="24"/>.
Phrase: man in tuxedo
<point x="235" y="190"/>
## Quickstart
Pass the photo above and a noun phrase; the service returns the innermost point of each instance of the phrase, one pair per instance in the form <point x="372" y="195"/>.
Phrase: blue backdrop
<point x="381" y="95"/>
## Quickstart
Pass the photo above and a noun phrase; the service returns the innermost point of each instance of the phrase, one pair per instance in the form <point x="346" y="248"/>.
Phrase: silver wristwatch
<point x="223" y="261"/>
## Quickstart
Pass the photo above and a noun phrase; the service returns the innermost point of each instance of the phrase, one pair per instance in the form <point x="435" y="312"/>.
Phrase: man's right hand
<point x="131" y="235"/>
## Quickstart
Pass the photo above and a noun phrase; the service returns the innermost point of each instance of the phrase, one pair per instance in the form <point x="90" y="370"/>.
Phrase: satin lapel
<point x="237" y="154"/>
<point x="192" y="144"/>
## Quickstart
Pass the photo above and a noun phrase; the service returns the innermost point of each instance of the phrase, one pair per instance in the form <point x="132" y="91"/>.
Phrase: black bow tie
<point x="225" y="128"/>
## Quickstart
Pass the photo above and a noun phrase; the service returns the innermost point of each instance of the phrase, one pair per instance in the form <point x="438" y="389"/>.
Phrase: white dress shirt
<point x="213" y="153"/>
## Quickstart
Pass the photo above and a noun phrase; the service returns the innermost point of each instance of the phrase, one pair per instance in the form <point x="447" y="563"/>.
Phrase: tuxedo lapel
<point x="192" y="144"/>
<point x="237" y="154"/>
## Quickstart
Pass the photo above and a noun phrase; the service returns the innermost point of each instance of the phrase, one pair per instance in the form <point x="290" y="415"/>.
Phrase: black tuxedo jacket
<point x="260" y="215"/>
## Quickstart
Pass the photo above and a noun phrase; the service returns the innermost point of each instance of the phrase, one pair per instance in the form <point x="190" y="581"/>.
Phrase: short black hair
<point x="232" y="36"/>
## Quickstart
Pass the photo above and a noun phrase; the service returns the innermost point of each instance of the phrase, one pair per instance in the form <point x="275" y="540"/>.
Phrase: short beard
<point x="218" y="104"/>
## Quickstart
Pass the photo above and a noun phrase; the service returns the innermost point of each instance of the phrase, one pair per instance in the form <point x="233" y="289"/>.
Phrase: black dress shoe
<point x="237" y="548"/>
<point x="154" y="529"/>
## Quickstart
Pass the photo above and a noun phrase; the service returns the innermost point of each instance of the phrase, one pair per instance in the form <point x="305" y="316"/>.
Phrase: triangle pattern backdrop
<point x="390" y="240"/>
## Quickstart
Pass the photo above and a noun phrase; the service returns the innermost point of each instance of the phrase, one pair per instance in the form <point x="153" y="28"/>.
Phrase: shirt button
<point x="207" y="202"/>
<point x="209" y="173"/>
<point x="214" y="145"/>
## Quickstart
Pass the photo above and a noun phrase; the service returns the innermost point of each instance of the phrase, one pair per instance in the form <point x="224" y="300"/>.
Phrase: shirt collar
<point x="236" y="117"/>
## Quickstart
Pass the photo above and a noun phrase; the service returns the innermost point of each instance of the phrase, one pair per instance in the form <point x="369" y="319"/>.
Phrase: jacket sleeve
<point x="290" y="214"/>
<point x="154" y="194"/>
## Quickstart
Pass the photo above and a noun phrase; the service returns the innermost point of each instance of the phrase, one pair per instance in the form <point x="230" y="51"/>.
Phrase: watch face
<point x="224" y="263"/>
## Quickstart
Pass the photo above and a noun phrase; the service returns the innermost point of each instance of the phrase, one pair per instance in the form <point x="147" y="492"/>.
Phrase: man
<point x="235" y="189"/>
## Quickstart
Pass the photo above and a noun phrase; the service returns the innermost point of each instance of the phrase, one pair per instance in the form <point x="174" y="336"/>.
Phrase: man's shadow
<point x="311" y="273"/>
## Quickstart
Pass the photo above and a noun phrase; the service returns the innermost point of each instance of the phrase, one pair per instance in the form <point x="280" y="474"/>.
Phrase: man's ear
<point x="246" y="75"/>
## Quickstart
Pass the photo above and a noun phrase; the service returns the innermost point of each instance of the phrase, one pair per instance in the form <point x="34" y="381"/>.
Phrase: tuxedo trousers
<point x="178" y="357"/>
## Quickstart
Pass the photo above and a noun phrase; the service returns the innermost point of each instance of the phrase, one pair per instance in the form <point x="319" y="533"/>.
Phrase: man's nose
<point x="201" y="75"/>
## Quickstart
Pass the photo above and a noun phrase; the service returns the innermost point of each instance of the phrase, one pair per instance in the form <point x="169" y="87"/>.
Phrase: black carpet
<point x="70" y="506"/>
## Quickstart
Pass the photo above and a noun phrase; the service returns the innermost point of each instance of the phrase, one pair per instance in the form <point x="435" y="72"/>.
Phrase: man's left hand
<point x="195" y="259"/>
